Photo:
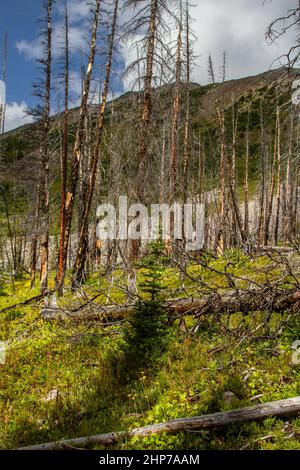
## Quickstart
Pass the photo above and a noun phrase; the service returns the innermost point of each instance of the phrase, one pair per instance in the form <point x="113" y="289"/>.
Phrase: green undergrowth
<point x="66" y="379"/>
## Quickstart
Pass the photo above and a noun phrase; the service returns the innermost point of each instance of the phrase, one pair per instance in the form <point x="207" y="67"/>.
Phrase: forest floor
<point x="59" y="379"/>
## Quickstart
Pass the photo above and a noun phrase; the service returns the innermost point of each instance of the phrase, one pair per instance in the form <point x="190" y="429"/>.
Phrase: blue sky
<point x="19" y="19"/>
<point x="235" y="25"/>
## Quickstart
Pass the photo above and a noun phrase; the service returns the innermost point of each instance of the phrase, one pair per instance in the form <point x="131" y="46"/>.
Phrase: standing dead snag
<point x="270" y="193"/>
<point x="246" y="179"/>
<point x="278" y="190"/>
<point x="3" y="98"/>
<point x="289" y="186"/>
<point x="64" y="162"/>
<point x="149" y="15"/>
<point x="221" y="239"/>
<point x="77" y="152"/>
<point x="176" y="108"/>
<point x="81" y="256"/>
<point x="147" y="104"/>
<point x="262" y="198"/>
<point x="45" y="154"/>
<point x="186" y="144"/>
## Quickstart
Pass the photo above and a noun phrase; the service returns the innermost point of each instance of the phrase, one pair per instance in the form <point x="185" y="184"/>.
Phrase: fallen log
<point x="25" y="302"/>
<point x="238" y="300"/>
<point x="287" y="407"/>
<point x="274" y="249"/>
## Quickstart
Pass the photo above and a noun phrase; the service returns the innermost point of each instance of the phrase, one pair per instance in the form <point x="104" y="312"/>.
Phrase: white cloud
<point x="75" y="83"/>
<point x="77" y="37"/>
<point x="78" y="10"/>
<point x="129" y="54"/>
<point x="237" y="26"/>
<point x="33" y="50"/>
<point x="16" y="116"/>
<point x="30" y="49"/>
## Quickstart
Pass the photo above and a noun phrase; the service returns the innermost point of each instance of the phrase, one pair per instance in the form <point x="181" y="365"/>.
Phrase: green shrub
<point x="146" y="335"/>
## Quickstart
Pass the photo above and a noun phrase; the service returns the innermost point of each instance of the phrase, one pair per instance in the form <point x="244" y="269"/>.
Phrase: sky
<point x="237" y="26"/>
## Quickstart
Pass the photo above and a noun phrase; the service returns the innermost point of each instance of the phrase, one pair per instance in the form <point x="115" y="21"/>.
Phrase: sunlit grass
<point x="73" y="361"/>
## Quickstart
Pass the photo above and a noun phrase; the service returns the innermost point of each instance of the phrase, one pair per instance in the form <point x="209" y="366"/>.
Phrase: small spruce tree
<point x="146" y="336"/>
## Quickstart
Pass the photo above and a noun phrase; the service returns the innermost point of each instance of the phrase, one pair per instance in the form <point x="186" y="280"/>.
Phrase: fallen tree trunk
<point x="287" y="407"/>
<point x="275" y="249"/>
<point x="244" y="301"/>
<point x="24" y="302"/>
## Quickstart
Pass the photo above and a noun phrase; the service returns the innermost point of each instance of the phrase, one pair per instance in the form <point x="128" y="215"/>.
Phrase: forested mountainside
<point x="253" y="108"/>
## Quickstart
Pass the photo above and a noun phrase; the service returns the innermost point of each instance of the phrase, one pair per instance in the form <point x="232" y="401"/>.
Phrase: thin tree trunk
<point x="186" y="145"/>
<point x="77" y="153"/>
<point x="262" y="201"/>
<point x="78" y="275"/>
<point x="3" y="108"/>
<point x="246" y="181"/>
<point x="269" y="199"/>
<point x="147" y="101"/>
<point x="288" y="218"/>
<point x="234" y="236"/>
<point x="162" y="167"/>
<point x="34" y="241"/>
<point x="278" y="192"/>
<point x="44" y="159"/>
<point x="222" y="239"/>
<point x="64" y="163"/>
<point x="176" y="109"/>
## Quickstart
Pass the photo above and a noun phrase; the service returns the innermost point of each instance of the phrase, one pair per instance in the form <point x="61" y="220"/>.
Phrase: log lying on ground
<point x="275" y="249"/>
<point x="24" y="302"/>
<point x="287" y="407"/>
<point x="245" y="301"/>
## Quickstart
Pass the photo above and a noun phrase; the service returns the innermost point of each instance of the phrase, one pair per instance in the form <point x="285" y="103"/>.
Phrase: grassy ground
<point x="62" y="379"/>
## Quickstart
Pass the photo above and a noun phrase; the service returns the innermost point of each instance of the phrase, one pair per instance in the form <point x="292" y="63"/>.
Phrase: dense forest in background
<point x="120" y="334"/>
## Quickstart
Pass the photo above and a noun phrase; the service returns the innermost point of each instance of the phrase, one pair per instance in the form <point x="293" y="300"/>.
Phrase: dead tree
<point x="186" y="144"/>
<point x="147" y="102"/>
<point x="3" y="105"/>
<point x="286" y="407"/>
<point x="270" y="193"/>
<point x="77" y="152"/>
<point x="176" y="108"/>
<point x="278" y="190"/>
<point x="64" y="161"/>
<point x="282" y="26"/>
<point x="262" y="198"/>
<point x="46" y="63"/>
<point x="289" y="186"/>
<point x="81" y="256"/>
<point x="221" y="237"/>
<point x="152" y="16"/>
<point x="246" y="179"/>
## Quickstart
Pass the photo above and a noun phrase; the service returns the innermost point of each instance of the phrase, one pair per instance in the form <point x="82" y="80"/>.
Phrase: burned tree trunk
<point x="147" y="101"/>
<point x="186" y="145"/>
<point x="64" y="163"/>
<point x="45" y="157"/>
<point x="78" y="274"/>
<point x="176" y="109"/>
<point x="77" y="152"/>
